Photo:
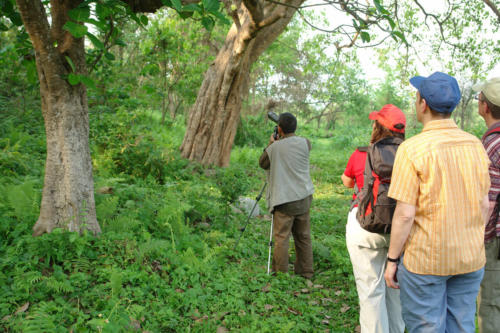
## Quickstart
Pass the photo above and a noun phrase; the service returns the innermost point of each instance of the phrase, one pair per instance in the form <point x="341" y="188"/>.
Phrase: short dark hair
<point x="435" y="114"/>
<point x="494" y="109"/>
<point x="287" y="122"/>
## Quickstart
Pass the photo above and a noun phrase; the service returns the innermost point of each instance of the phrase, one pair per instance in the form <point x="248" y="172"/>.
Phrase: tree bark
<point x="68" y="192"/>
<point x="214" y="117"/>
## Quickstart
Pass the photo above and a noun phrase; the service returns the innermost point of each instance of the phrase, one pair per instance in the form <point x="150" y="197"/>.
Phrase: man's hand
<point x="390" y="275"/>
<point x="271" y="139"/>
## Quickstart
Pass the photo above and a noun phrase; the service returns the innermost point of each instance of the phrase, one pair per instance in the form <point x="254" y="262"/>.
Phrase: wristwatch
<point x="396" y="260"/>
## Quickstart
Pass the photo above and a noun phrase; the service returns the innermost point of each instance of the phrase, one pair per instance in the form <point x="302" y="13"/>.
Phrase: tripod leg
<point x="270" y="245"/>
<point x="250" y="215"/>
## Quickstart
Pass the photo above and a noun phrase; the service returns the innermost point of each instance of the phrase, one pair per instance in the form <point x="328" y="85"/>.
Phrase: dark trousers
<point x="299" y="226"/>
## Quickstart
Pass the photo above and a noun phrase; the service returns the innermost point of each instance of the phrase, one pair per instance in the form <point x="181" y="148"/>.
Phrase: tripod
<point x="250" y="215"/>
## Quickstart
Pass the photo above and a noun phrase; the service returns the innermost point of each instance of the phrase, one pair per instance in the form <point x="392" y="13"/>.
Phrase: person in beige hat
<point x="489" y="295"/>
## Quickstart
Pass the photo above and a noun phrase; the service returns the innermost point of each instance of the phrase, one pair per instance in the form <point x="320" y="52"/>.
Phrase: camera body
<point x="274" y="117"/>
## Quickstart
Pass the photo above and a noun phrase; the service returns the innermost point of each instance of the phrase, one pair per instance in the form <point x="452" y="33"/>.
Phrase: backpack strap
<point x="355" y="201"/>
<point x="373" y="183"/>
<point x="374" y="192"/>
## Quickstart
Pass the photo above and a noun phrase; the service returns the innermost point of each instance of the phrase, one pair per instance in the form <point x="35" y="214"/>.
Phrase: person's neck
<point x="429" y="117"/>
<point x="490" y="121"/>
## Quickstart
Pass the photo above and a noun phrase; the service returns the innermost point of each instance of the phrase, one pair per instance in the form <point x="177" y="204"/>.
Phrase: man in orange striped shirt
<point x="440" y="181"/>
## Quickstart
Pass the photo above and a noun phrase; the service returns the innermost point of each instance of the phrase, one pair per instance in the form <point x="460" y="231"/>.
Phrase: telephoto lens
<point x="274" y="117"/>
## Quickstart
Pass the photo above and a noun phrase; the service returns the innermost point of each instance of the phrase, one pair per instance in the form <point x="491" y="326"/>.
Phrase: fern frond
<point x="52" y="284"/>
<point x="82" y="265"/>
<point x="40" y="319"/>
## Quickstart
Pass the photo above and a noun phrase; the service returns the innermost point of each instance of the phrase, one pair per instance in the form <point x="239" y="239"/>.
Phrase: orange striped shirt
<point x="443" y="172"/>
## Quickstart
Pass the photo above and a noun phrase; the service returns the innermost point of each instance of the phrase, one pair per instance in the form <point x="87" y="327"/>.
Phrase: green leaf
<point x="102" y="25"/>
<point x="222" y="18"/>
<point x="73" y="237"/>
<point x="87" y="81"/>
<point x="176" y="4"/>
<point x="167" y="3"/>
<point x="355" y="24"/>
<point x="120" y="42"/>
<point x="16" y="19"/>
<point x="211" y="5"/>
<point x="73" y="79"/>
<point x="77" y="30"/>
<point x="71" y="64"/>
<point x="97" y="43"/>
<point x="31" y="72"/>
<point x="365" y="36"/>
<point x="134" y="17"/>
<point x="400" y="35"/>
<point x="102" y="11"/>
<point x="192" y="7"/>
<point x="79" y="14"/>
<point x="390" y="20"/>
<point x="144" y="20"/>
<point x="7" y="9"/>
<point x="3" y="27"/>
<point x="380" y="8"/>
<point x="109" y="56"/>
<point x="185" y="15"/>
<point x="208" y="23"/>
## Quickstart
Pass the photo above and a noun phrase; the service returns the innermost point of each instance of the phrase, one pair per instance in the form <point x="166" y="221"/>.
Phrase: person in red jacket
<point x="380" y="309"/>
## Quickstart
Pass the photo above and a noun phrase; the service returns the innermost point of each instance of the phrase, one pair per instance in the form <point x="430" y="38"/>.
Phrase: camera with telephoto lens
<point x="274" y="117"/>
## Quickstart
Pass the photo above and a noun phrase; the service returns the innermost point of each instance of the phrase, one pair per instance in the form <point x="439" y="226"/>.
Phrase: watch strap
<point x="396" y="260"/>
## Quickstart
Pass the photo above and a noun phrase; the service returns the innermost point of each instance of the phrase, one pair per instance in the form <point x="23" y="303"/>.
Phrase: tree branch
<point x="273" y="17"/>
<point x="255" y="11"/>
<point x="106" y="46"/>
<point x="59" y="16"/>
<point x="36" y="23"/>
<point x="351" y="44"/>
<point x="151" y="6"/>
<point x="493" y="8"/>
<point x="438" y="22"/>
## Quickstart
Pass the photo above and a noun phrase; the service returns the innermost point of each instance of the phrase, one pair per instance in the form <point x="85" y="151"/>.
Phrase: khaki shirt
<point x="443" y="172"/>
<point x="290" y="187"/>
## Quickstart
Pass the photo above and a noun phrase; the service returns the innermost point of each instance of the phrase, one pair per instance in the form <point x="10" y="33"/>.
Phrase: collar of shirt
<point x="287" y="135"/>
<point x="440" y="124"/>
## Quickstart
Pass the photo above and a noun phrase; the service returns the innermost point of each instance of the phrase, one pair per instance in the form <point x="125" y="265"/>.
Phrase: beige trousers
<point x="380" y="308"/>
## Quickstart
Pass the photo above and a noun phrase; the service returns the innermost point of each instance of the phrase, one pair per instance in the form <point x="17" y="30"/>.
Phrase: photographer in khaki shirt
<point x="289" y="195"/>
<point x="440" y="181"/>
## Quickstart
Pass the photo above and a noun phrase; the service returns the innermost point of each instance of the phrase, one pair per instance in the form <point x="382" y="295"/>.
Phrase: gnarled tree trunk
<point x="214" y="117"/>
<point x="68" y="192"/>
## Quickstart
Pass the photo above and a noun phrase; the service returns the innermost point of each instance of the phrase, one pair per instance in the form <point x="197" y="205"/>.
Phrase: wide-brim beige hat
<point x="490" y="89"/>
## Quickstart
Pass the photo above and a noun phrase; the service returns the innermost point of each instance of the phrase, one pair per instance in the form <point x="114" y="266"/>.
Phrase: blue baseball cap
<point x="440" y="91"/>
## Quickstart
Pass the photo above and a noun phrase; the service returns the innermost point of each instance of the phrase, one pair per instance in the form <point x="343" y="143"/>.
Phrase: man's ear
<point x="486" y="108"/>
<point x="280" y="131"/>
<point x="425" y="106"/>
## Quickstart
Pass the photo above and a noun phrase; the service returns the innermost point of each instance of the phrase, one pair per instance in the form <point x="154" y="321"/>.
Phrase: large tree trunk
<point x="214" y="117"/>
<point x="68" y="192"/>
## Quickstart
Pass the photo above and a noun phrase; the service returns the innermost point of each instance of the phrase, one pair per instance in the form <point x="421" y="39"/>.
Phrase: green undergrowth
<point x="166" y="259"/>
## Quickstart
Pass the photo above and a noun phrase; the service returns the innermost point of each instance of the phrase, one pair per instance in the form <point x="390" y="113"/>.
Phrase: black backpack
<point x="375" y="208"/>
